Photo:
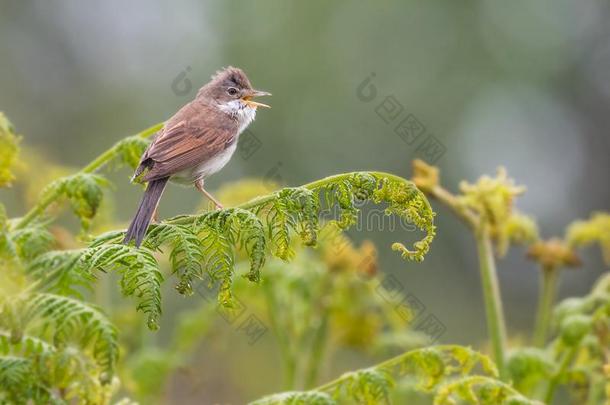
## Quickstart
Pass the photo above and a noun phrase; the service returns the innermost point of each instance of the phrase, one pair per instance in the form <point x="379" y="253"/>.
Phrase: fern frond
<point x="60" y="368"/>
<point x="369" y="386"/>
<point x="19" y="383"/>
<point x="480" y="390"/>
<point x="186" y="256"/>
<point x="131" y="149"/>
<point x="24" y="345"/>
<point x="248" y="230"/>
<point x="61" y="272"/>
<point x="280" y="222"/>
<point x="83" y="190"/>
<point x="431" y="367"/>
<point x="297" y="398"/>
<point x="32" y="241"/>
<point x="207" y="243"/>
<point x="219" y="259"/>
<point x="22" y="381"/>
<point x="140" y="275"/>
<point x="67" y="319"/>
<point x="14" y="371"/>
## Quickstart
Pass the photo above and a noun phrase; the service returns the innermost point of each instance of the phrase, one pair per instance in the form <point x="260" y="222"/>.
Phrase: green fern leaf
<point x="248" y="230"/>
<point x="25" y="345"/>
<point x="186" y="256"/>
<point x="430" y="366"/>
<point x="140" y="275"/>
<point x="368" y="386"/>
<point x="19" y="383"/>
<point x="32" y="241"/>
<point x="480" y="390"/>
<point x="130" y="150"/>
<point x="207" y="243"/>
<point x="83" y="190"/>
<point x="280" y="222"/>
<point x="68" y="319"/>
<point x="297" y="398"/>
<point x="61" y="272"/>
<point x="14" y="371"/>
<point x="217" y="241"/>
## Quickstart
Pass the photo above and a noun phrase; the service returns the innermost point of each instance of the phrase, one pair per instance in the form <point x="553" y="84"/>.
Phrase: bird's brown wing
<point x="184" y="144"/>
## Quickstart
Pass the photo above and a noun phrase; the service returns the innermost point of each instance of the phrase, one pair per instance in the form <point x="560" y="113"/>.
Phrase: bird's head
<point x="231" y="90"/>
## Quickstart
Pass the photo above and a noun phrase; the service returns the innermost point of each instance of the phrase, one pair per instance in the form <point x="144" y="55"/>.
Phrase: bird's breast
<point x="205" y="168"/>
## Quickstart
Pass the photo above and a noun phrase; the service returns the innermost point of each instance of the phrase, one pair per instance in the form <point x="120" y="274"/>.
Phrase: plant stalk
<point x="549" y="280"/>
<point x="286" y="353"/>
<point x="567" y="359"/>
<point x="451" y="202"/>
<point x="491" y="295"/>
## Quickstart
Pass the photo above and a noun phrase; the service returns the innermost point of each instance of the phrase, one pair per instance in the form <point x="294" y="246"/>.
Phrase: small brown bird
<point x="195" y="143"/>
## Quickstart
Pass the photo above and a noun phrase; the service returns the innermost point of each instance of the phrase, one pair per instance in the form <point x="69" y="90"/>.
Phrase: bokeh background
<point x="523" y="84"/>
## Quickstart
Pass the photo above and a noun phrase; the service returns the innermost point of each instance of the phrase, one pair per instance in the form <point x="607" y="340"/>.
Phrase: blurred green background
<point x="523" y="84"/>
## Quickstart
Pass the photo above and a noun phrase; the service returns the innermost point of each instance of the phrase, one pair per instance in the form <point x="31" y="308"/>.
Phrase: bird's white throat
<point x="243" y="113"/>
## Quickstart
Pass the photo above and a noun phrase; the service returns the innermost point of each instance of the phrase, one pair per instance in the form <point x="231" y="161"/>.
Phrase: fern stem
<point x="315" y="185"/>
<point x="554" y="382"/>
<point x="320" y="338"/>
<point x="110" y="154"/>
<point x="40" y="208"/>
<point x="317" y="352"/>
<point x="451" y="202"/>
<point x="287" y="355"/>
<point x="549" y="279"/>
<point x="491" y="296"/>
<point x="487" y="268"/>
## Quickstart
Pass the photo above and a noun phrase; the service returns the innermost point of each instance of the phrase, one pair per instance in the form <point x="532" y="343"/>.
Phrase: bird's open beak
<point x="255" y="93"/>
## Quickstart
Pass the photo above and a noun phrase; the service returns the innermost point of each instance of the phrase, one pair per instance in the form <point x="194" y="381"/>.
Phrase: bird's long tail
<point x="140" y="222"/>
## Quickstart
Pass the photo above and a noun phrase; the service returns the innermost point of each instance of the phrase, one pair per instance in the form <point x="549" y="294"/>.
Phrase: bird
<point x="195" y="143"/>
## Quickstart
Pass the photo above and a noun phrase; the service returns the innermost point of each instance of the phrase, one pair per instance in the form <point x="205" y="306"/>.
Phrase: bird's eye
<point x="231" y="91"/>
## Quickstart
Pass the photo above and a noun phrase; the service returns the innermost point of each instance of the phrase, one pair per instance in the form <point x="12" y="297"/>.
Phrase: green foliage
<point x="186" y="254"/>
<point x="528" y="366"/>
<point x="9" y="150"/>
<point x="19" y="382"/>
<point x="480" y="390"/>
<point x="595" y="230"/>
<point x="130" y="150"/>
<point x="444" y="371"/>
<point x="208" y="242"/>
<point x="83" y="190"/>
<point x="28" y="243"/>
<point x="66" y="319"/>
<point x="140" y="273"/>
<point x="57" y="348"/>
<point x="582" y="345"/>
<point x="293" y="210"/>
<point x="50" y="342"/>
<point x="61" y="272"/>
